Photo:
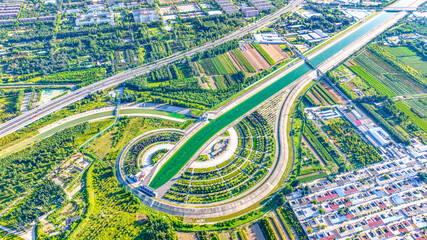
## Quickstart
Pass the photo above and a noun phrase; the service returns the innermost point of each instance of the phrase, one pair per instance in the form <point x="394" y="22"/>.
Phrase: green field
<point x="153" y="112"/>
<point x="400" y="51"/>
<point x="311" y="177"/>
<point x="371" y="80"/>
<point x="396" y="80"/>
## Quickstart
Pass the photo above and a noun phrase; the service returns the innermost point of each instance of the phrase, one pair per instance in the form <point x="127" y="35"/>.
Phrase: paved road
<point x="36" y="85"/>
<point x="74" y="96"/>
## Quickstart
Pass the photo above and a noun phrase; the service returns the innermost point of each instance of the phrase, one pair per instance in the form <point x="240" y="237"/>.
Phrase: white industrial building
<point x="380" y="136"/>
<point x="95" y="18"/>
<point x="314" y="36"/>
<point x="418" y="15"/>
<point x="145" y="15"/>
<point x="272" y="38"/>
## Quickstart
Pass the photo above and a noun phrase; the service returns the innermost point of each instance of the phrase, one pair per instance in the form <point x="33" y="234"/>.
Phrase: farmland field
<point x="419" y="104"/>
<point x="415" y="62"/>
<point x="324" y="94"/>
<point x="422" y="123"/>
<point x="400" y="51"/>
<point x="220" y="82"/>
<point x="227" y="63"/>
<point x="273" y="52"/>
<point x="264" y="54"/>
<point x="255" y="58"/>
<point x="394" y="79"/>
<point x="408" y="57"/>
<point x="377" y="85"/>
<point x="218" y="65"/>
<point x="243" y="61"/>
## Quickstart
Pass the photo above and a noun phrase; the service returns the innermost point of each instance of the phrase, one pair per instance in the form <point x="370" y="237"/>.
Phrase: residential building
<point x="95" y="18"/>
<point x="145" y="15"/>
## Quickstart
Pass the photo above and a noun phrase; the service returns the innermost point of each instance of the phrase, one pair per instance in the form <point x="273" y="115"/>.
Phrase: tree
<point x="295" y="183"/>
<point x="158" y="228"/>
<point x="422" y="176"/>
<point x="287" y="190"/>
<point x="310" y="230"/>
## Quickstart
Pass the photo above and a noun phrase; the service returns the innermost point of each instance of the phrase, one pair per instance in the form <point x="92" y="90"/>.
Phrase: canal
<point x="193" y="144"/>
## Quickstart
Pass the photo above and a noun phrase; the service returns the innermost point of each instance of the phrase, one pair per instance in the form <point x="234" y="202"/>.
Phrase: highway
<point x="37" y="113"/>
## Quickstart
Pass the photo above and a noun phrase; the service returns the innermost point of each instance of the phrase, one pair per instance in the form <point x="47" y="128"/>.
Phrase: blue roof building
<point x="397" y="199"/>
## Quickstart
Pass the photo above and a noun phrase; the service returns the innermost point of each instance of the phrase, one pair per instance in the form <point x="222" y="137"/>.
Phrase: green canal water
<point x="189" y="148"/>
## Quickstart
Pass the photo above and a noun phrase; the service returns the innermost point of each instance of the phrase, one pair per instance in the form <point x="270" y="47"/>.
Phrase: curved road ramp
<point x="169" y="178"/>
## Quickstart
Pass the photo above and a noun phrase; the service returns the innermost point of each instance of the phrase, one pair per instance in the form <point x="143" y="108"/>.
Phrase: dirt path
<point x="201" y="83"/>
<point x="225" y="235"/>
<point x="275" y="228"/>
<point x="186" y="236"/>
<point x="254" y="232"/>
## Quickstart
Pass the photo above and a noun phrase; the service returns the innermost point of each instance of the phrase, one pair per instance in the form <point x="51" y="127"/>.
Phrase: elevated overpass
<point x="400" y="9"/>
